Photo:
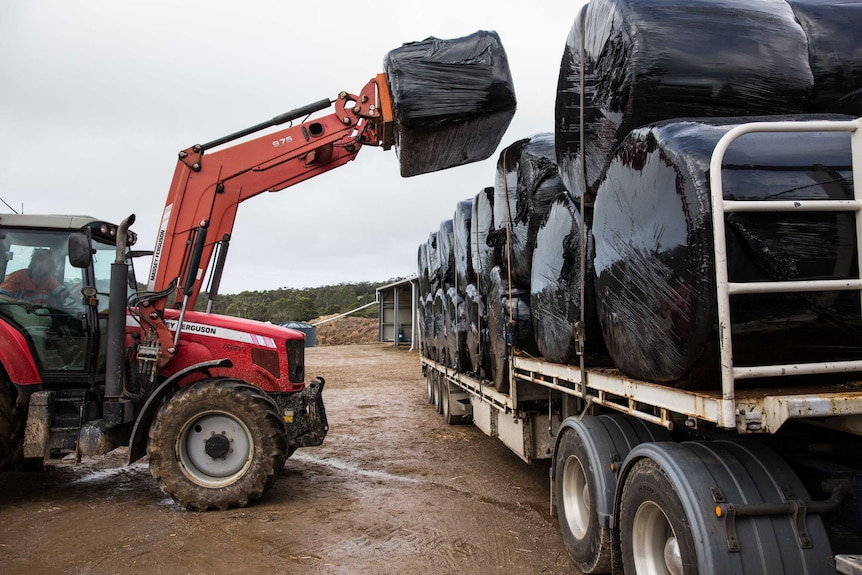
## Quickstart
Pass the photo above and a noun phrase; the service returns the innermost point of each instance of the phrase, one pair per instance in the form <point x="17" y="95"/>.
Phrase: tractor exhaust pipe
<point x="117" y="302"/>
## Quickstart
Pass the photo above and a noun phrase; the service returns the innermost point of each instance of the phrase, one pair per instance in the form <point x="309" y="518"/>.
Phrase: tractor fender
<point x="140" y="431"/>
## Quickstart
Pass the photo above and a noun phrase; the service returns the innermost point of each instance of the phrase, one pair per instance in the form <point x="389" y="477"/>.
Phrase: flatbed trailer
<point x="534" y="382"/>
<point x="757" y="476"/>
<point x="595" y="432"/>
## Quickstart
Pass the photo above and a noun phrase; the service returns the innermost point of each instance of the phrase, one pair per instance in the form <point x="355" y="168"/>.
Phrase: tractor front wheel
<point x="217" y="444"/>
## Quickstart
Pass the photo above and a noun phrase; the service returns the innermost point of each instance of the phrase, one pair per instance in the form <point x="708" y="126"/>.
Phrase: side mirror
<point x="80" y="253"/>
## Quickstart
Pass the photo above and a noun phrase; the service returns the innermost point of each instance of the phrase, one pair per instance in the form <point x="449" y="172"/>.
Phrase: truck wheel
<point x="588" y="452"/>
<point x="217" y="444"/>
<point x="448" y="417"/>
<point x="587" y="541"/>
<point x="11" y="423"/>
<point x="435" y="389"/>
<point x="654" y="533"/>
<point x="429" y="379"/>
<point x="669" y="500"/>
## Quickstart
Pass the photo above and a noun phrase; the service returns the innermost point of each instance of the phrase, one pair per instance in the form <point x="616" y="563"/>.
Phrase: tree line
<point x="288" y="304"/>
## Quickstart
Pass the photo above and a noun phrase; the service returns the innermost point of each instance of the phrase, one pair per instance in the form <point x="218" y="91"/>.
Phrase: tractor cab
<point x="54" y="284"/>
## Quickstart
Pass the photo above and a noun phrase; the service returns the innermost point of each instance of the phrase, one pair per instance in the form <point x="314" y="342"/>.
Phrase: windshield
<point x="40" y="292"/>
<point x="37" y="259"/>
<point x="44" y="253"/>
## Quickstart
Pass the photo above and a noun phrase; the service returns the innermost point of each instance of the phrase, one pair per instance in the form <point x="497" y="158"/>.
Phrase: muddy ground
<point x="392" y="490"/>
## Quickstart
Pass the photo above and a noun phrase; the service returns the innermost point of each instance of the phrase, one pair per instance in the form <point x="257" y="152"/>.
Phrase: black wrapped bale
<point x="484" y="249"/>
<point x="426" y="323"/>
<point x="651" y="60"/>
<point x="526" y="183"/>
<point x="477" y="332"/>
<point x="654" y="259"/>
<point x="438" y="328"/>
<point x="433" y="262"/>
<point x="555" y="286"/>
<point x="452" y="99"/>
<point x="507" y="306"/>
<point x="446" y="254"/>
<point x="834" y="52"/>
<point x="464" y="274"/>
<point x="422" y="269"/>
<point x="456" y="331"/>
<point x="426" y="300"/>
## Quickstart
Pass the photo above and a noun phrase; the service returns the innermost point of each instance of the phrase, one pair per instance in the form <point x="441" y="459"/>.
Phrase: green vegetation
<point x="282" y="305"/>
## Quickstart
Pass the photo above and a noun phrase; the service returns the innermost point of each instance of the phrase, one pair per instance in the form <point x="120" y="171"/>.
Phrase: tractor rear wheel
<point x="11" y="423"/>
<point x="217" y="444"/>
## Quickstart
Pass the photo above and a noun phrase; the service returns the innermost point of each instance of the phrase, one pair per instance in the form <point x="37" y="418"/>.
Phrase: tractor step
<point x="53" y="425"/>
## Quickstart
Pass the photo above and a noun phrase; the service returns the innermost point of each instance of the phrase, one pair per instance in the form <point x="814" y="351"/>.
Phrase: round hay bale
<point x="462" y="220"/>
<point x="484" y="250"/>
<point x="654" y="262"/>
<point x="555" y="286"/>
<point x="526" y="183"/>
<point x="651" y="60"/>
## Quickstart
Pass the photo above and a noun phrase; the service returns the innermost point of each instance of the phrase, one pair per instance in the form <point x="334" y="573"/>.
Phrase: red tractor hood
<point x="239" y="329"/>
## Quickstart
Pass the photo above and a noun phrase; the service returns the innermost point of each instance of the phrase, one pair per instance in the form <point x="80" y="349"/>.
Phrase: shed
<point x="397" y="305"/>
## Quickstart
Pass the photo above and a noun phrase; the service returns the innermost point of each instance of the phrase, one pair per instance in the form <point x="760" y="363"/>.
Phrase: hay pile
<point x="346" y="330"/>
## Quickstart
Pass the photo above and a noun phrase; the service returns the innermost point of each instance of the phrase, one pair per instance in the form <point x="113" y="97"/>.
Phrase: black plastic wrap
<point x="438" y="326"/>
<point x="555" y="287"/>
<point x="526" y="183"/>
<point x="453" y="100"/>
<point x="834" y="52"/>
<point x="477" y="332"/>
<point x="426" y="323"/>
<point x="651" y="60"/>
<point x="456" y="332"/>
<point x="446" y="254"/>
<point x="433" y="262"/>
<point x="507" y="306"/>
<point x="654" y="259"/>
<point x="422" y="269"/>
<point x="484" y="249"/>
<point x="462" y="219"/>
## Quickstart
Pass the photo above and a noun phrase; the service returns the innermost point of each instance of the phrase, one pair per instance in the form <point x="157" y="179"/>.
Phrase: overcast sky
<point x="97" y="98"/>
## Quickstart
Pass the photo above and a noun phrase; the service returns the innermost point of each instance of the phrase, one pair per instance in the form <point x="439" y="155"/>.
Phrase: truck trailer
<point x="661" y="479"/>
<point x="662" y="297"/>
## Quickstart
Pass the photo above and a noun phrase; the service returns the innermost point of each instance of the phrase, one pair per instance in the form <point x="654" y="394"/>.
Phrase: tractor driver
<point x="37" y="283"/>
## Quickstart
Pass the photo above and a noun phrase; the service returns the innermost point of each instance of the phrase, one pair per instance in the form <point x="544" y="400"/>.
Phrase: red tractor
<point x="89" y="363"/>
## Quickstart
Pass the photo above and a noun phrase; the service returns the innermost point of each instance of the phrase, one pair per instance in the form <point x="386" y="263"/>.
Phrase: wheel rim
<point x="576" y="497"/>
<point x="214" y="449"/>
<point x="654" y="545"/>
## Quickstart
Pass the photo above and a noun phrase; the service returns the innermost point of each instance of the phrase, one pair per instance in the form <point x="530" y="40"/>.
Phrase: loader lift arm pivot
<point x="207" y="188"/>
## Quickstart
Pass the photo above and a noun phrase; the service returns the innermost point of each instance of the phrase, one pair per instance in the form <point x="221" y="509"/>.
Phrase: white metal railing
<point x="725" y="288"/>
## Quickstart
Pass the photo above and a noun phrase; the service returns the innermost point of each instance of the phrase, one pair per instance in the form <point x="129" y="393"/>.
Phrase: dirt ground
<point x="393" y="489"/>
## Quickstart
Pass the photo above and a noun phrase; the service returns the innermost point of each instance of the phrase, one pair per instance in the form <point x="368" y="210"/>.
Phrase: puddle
<point x="350" y="468"/>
